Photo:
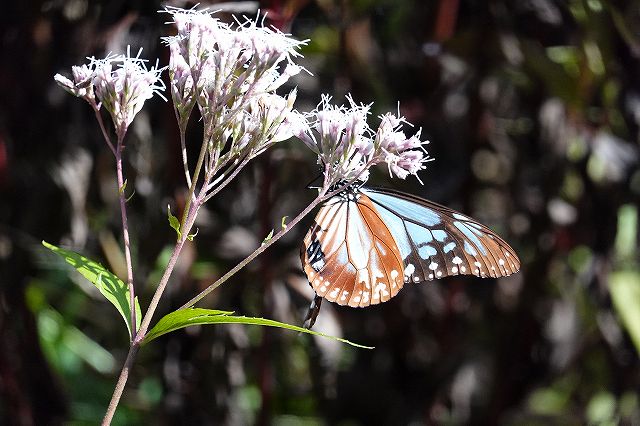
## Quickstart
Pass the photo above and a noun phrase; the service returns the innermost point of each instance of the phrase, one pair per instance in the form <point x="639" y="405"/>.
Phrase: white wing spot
<point x="345" y="293"/>
<point x="462" y="269"/>
<point x="409" y="270"/>
<point x="477" y="263"/>
<point x="454" y="270"/>
<point x="457" y="260"/>
<point x="501" y="262"/>
<point x="394" y="274"/>
<point x="356" y="299"/>
<point x="323" y="288"/>
<point x="430" y="276"/>
<point x="506" y="253"/>
<point x="416" y="279"/>
<point x="439" y="273"/>
<point x="334" y="293"/>
<point x="433" y="266"/>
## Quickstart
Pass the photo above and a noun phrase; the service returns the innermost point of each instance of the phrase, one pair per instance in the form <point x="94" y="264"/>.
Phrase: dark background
<point x="532" y="109"/>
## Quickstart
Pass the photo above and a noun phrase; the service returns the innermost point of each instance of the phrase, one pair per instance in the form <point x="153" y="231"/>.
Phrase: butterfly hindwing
<point x="350" y="255"/>
<point x="435" y="241"/>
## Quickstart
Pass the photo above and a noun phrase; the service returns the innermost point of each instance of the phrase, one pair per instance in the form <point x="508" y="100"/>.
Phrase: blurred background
<point x="532" y="109"/>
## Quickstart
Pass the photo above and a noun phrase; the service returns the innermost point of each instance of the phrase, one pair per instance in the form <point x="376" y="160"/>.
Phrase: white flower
<point x="347" y="147"/>
<point x="232" y="72"/>
<point x="124" y="90"/>
<point x="81" y="86"/>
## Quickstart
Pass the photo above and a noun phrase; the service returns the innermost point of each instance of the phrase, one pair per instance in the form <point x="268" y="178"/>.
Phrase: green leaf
<point x="111" y="287"/>
<point x="123" y="187"/>
<point x="174" y="222"/>
<point x="627" y="231"/>
<point x="601" y="408"/>
<point x="268" y="238"/>
<point x="284" y="222"/>
<point x="198" y="316"/>
<point x="624" y="287"/>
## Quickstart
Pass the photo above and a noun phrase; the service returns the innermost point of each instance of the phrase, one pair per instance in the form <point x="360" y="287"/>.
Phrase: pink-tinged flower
<point x="404" y="156"/>
<point x="181" y="85"/>
<point x="229" y="65"/>
<point x="347" y="147"/>
<point x="269" y="119"/>
<point x="81" y="86"/>
<point x="341" y="138"/>
<point x="124" y="90"/>
<point x="231" y="72"/>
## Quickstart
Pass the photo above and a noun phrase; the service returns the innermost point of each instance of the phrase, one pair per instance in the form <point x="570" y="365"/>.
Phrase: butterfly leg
<point x="314" y="310"/>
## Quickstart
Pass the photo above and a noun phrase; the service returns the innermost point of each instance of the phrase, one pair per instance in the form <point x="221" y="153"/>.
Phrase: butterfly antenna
<point x="314" y="310"/>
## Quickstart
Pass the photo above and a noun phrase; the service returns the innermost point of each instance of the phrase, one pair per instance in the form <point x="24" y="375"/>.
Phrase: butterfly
<point x="366" y="243"/>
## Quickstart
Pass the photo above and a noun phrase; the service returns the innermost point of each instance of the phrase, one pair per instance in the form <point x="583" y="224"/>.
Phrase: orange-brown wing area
<point x="350" y="256"/>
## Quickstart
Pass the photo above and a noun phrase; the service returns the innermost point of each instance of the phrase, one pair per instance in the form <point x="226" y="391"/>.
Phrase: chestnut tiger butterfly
<point x="366" y="243"/>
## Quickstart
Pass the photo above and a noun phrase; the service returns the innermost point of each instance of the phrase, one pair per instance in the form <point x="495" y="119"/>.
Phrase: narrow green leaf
<point x="624" y="287"/>
<point x="123" y="187"/>
<point x="174" y="222"/>
<point x="198" y="316"/>
<point x="111" y="287"/>
<point x="268" y="238"/>
<point x="180" y="319"/>
<point x="284" y="222"/>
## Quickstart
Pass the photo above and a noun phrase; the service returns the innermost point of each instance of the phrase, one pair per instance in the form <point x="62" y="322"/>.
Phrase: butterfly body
<point x="366" y="243"/>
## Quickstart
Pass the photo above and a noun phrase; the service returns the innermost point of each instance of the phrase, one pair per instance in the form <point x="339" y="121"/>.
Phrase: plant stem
<point x="227" y="179"/>
<point x="105" y="135"/>
<point x="125" y="235"/>
<point x="192" y="189"/>
<point x="146" y="320"/>
<point x="183" y="146"/>
<point x="320" y="198"/>
<point x="120" y="385"/>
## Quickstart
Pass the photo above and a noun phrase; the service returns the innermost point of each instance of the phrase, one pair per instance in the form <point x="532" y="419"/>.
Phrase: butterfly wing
<point x="436" y="241"/>
<point x="349" y="254"/>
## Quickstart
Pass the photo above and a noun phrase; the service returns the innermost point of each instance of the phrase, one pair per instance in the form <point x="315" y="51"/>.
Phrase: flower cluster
<point x="231" y="73"/>
<point x="121" y="83"/>
<point x="82" y="84"/>
<point x="347" y="147"/>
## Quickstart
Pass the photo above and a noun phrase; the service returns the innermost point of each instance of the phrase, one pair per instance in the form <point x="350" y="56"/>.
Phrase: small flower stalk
<point x="347" y="147"/>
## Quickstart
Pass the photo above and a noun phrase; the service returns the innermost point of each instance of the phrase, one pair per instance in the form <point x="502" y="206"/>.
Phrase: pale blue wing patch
<point x="436" y="241"/>
<point x="427" y="216"/>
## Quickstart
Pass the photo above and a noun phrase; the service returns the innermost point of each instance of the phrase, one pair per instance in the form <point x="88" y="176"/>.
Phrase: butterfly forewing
<point x="350" y="255"/>
<point x="435" y="241"/>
